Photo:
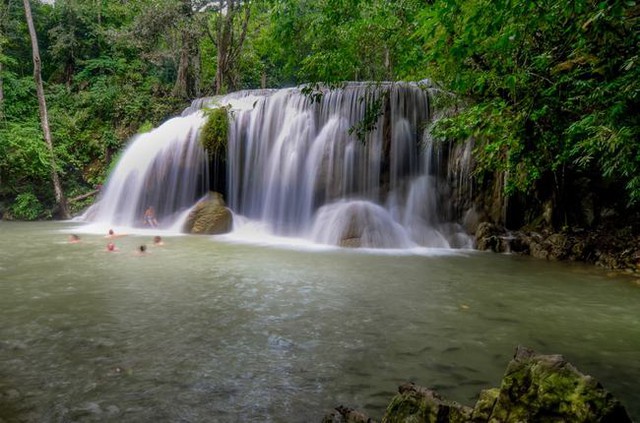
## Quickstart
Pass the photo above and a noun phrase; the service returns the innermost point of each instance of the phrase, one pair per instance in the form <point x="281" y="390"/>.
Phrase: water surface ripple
<point x="205" y="330"/>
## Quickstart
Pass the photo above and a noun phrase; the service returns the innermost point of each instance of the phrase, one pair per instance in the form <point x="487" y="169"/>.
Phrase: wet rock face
<point x="210" y="216"/>
<point x="613" y="249"/>
<point x="535" y="388"/>
<point x="491" y="237"/>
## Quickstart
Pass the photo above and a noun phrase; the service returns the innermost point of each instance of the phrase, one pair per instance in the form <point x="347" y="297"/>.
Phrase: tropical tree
<point x="547" y="90"/>
<point x="44" y="117"/>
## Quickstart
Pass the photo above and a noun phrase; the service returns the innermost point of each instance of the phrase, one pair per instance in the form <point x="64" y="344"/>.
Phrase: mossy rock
<point x="484" y="406"/>
<point x="209" y="216"/>
<point x="346" y="415"/>
<point x="415" y="403"/>
<point x="354" y="242"/>
<point x="535" y="388"/>
<point x="214" y="133"/>
<point x="547" y="388"/>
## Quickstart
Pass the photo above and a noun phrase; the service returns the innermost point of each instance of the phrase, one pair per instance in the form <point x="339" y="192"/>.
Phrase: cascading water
<point x="165" y="169"/>
<point x="294" y="166"/>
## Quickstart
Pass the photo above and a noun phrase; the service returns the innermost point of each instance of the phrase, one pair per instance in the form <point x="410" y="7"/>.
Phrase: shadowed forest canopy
<point x="547" y="90"/>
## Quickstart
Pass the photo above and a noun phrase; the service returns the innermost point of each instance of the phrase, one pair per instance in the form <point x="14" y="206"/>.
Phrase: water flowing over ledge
<point x="295" y="168"/>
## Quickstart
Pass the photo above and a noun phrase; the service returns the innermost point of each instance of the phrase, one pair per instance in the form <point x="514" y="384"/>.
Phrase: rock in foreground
<point x="535" y="388"/>
<point x="548" y="388"/>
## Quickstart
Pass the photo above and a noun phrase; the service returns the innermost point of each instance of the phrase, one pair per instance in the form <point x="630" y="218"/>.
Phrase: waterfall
<point x="165" y="169"/>
<point x="295" y="166"/>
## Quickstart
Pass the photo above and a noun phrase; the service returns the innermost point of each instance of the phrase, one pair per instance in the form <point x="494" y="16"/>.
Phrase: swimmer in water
<point x="74" y="239"/>
<point x="157" y="241"/>
<point x="111" y="247"/>
<point x="112" y="234"/>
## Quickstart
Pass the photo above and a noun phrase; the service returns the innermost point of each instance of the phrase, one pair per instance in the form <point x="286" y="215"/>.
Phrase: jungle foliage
<point x="548" y="90"/>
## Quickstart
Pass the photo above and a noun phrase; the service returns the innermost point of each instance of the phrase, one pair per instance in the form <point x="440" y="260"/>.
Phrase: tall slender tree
<point x="3" y="19"/>
<point x="231" y="22"/>
<point x="187" y="84"/>
<point x="63" y="211"/>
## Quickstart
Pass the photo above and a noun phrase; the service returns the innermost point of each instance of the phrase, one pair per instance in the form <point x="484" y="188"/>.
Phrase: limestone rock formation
<point x="547" y="388"/>
<point x="606" y="247"/>
<point x="209" y="216"/>
<point x="346" y="415"/>
<point x="490" y="237"/>
<point x="418" y="404"/>
<point x="535" y="388"/>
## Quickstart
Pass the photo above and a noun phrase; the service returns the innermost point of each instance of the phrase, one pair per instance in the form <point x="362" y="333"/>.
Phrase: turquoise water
<point x="207" y="330"/>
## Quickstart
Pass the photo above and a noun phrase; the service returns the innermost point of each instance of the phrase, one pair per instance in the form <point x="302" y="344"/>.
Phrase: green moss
<point x="485" y="404"/>
<point x="146" y="126"/>
<point x="547" y="388"/>
<point x="420" y="405"/>
<point x="215" y="131"/>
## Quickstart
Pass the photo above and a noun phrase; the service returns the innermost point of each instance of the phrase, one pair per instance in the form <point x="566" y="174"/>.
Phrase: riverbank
<point x="608" y="246"/>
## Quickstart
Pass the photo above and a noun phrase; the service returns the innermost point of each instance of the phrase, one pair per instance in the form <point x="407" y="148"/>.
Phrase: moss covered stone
<point x="214" y="133"/>
<point x="484" y="406"/>
<point x="548" y="388"/>
<point x="535" y="388"/>
<point x="418" y="404"/>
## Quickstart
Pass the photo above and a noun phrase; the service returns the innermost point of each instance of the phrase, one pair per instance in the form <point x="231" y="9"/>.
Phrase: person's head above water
<point x="110" y="231"/>
<point x="142" y="248"/>
<point x="111" y="246"/>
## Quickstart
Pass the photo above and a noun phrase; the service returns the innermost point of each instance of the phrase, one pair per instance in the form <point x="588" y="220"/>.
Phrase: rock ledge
<point x="535" y="388"/>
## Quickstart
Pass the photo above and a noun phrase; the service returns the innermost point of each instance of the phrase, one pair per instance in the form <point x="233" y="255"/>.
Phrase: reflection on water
<point x="205" y="330"/>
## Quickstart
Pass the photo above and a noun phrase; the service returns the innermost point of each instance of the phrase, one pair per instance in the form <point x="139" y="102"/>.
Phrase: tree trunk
<point x="229" y="43"/>
<point x="63" y="211"/>
<point x="195" y="66"/>
<point x="221" y="48"/>
<point x="181" y="87"/>
<point x="1" y="94"/>
<point x="2" y="20"/>
<point x="219" y="72"/>
<point x="186" y="79"/>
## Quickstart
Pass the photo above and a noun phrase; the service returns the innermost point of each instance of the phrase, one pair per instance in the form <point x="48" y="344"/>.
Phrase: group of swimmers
<point x="149" y="220"/>
<point x="111" y="246"/>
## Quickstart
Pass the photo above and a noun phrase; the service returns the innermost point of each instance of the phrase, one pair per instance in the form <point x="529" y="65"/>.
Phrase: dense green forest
<point x="549" y="90"/>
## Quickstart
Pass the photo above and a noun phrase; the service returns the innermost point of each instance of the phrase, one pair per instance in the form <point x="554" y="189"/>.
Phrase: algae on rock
<point x="209" y="216"/>
<point x="535" y="388"/>
<point x="214" y="133"/>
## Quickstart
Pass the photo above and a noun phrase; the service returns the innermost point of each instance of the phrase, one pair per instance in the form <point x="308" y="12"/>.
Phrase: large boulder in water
<point x="354" y="224"/>
<point x="209" y="216"/>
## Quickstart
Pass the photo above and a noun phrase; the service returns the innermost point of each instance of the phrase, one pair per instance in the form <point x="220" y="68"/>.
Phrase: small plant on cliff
<point x="213" y="135"/>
